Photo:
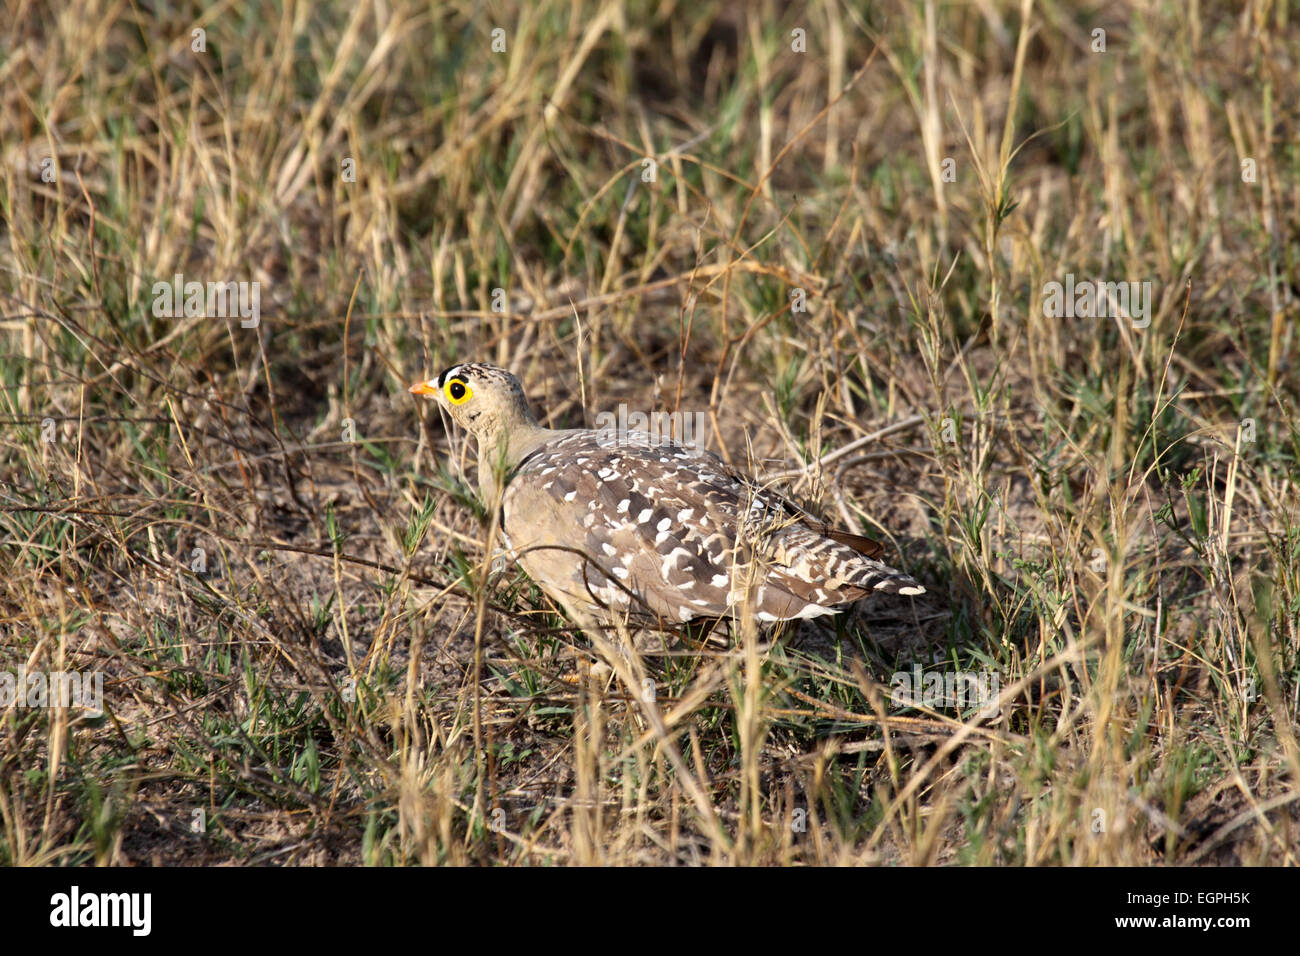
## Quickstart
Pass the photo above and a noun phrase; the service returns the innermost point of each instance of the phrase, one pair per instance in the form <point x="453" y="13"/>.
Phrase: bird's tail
<point x="881" y="577"/>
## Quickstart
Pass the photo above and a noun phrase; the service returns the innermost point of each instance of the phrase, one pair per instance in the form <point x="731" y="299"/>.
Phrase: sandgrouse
<point x="635" y="524"/>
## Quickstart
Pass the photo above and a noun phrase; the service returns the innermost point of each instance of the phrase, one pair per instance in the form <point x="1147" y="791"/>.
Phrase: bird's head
<point x="485" y="400"/>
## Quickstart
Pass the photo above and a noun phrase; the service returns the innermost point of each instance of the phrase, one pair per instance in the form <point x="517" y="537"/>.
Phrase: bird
<point x="636" y="524"/>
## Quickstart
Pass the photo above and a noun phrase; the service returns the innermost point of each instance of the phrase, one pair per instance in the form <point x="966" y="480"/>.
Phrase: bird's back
<point x="629" y="522"/>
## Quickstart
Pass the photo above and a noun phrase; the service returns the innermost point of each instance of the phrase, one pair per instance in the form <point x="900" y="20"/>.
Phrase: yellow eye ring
<point x="457" y="392"/>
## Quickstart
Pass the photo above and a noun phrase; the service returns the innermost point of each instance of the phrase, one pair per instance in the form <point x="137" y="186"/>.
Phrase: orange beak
<point x="424" y="388"/>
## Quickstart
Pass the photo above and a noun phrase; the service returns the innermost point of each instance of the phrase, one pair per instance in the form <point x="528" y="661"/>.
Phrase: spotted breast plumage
<point x="634" y="524"/>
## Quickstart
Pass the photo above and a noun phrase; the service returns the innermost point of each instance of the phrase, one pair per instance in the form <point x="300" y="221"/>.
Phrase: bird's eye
<point x="458" y="392"/>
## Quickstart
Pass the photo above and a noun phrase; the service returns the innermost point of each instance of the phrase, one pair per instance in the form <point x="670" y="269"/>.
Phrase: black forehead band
<point x="442" y="378"/>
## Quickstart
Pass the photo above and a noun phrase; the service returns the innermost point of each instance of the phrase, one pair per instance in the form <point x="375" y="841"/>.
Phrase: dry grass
<point x="308" y="655"/>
